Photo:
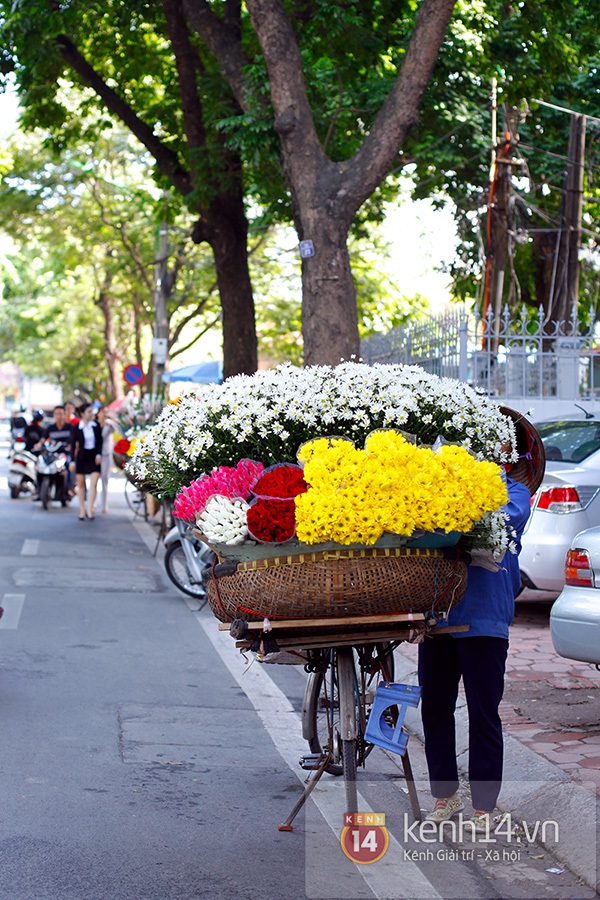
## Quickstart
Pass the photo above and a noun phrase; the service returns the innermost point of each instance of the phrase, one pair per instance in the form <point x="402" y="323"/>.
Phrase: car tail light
<point x="578" y="569"/>
<point x="559" y="499"/>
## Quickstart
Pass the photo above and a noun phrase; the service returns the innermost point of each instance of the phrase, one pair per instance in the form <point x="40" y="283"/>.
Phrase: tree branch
<point x="187" y="62"/>
<point x="293" y="116"/>
<point x="167" y="161"/>
<point x="223" y="39"/>
<point x="400" y="111"/>
<point x="349" y="183"/>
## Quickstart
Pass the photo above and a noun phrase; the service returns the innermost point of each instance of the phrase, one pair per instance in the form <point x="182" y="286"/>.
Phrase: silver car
<point x="575" y="616"/>
<point x="567" y="501"/>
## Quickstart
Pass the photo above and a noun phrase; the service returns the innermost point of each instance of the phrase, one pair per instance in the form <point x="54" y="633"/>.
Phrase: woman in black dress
<point x="87" y="456"/>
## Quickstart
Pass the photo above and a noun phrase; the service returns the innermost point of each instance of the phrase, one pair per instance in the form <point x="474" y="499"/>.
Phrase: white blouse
<point x="89" y="438"/>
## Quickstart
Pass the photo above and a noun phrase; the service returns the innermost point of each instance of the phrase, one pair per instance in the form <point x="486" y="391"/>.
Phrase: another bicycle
<point x="135" y="498"/>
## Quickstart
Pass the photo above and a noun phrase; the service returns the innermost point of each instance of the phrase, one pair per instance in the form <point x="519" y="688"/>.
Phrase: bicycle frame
<point x="188" y="541"/>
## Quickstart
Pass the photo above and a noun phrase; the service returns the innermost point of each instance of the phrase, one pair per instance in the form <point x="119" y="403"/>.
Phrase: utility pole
<point x="566" y="286"/>
<point x="498" y="219"/>
<point x="160" y="341"/>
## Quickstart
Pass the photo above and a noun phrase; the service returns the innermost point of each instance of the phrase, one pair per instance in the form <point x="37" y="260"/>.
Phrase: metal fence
<point x="508" y="357"/>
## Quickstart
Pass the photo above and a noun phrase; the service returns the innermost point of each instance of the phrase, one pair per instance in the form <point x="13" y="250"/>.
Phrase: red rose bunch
<point x="282" y="481"/>
<point x="271" y="521"/>
<point x="272" y="514"/>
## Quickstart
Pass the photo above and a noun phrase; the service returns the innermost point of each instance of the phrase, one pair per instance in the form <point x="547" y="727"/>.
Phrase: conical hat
<point x="532" y="457"/>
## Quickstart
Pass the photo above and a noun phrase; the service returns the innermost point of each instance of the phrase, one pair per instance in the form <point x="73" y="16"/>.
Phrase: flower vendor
<point x="478" y="656"/>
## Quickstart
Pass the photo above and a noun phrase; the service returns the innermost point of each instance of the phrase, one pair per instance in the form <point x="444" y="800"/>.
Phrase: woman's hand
<point x="71" y="467"/>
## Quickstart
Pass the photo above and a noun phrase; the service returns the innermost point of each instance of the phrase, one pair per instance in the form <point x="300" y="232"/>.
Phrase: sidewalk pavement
<point x="552" y="749"/>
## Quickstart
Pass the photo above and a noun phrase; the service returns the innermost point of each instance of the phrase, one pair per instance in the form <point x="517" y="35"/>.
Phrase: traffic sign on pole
<point x="133" y="374"/>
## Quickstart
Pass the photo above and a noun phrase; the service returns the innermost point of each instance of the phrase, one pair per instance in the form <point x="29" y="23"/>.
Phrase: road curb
<point x="534" y="790"/>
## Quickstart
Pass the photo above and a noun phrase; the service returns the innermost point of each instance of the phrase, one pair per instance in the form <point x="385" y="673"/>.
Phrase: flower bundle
<point x="137" y="414"/>
<point x="271" y="521"/>
<point x="392" y="486"/>
<point x="221" y="503"/>
<point x="272" y="514"/>
<point x="122" y="446"/>
<point x="269" y="415"/>
<point x="223" y="520"/>
<point x="365" y="482"/>
<point x="225" y="481"/>
<point x="282" y="481"/>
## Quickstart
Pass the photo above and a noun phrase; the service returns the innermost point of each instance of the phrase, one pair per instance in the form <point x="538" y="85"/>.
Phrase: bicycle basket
<point x="369" y="581"/>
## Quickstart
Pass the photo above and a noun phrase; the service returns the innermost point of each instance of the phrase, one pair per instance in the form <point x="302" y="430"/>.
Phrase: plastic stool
<point x="378" y="731"/>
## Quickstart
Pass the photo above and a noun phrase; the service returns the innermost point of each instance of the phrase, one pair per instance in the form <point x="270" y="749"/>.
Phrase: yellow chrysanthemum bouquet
<point x="391" y="486"/>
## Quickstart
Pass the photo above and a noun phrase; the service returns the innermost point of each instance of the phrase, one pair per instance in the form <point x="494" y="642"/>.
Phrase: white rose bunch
<point x="223" y="520"/>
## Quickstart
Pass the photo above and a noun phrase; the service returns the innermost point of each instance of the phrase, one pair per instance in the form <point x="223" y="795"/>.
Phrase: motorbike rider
<point x="17" y="420"/>
<point x="18" y="424"/>
<point x="34" y="432"/>
<point x="61" y="431"/>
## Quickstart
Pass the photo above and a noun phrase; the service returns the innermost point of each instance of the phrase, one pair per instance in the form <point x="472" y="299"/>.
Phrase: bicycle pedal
<point x="311" y="761"/>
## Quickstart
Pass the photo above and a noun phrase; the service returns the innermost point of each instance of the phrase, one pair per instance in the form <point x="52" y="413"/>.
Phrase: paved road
<point x="141" y="759"/>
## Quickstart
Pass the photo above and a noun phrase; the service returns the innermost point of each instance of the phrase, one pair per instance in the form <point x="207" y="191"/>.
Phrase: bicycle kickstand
<point x="310" y="786"/>
<point x="412" y="788"/>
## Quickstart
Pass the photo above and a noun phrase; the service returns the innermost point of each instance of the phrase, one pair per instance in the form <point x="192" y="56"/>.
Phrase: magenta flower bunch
<point x="227" y="481"/>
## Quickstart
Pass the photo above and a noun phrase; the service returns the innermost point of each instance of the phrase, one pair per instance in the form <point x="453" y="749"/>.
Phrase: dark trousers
<point x="481" y="662"/>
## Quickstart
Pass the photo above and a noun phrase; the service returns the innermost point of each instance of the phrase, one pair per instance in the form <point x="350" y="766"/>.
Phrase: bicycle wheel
<point x="320" y="716"/>
<point x="321" y="707"/>
<point x="351" y="725"/>
<point x="177" y="570"/>
<point x="136" y="499"/>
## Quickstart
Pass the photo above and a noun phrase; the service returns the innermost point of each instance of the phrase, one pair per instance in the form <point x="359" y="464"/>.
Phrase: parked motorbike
<point x="186" y="559"/>
<point x="22" y="472"/>
<point x="52" y="468"/>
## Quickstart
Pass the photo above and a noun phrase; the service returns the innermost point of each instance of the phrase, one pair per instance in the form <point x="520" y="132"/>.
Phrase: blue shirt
<point x="488" y="606"/>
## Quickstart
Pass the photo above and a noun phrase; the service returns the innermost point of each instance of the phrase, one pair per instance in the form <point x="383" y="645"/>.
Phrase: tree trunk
<point x="113" y="357"/>
<point x="225" y="228"/>
<point x="326" y="195"/>
<point x="329" y="316"/>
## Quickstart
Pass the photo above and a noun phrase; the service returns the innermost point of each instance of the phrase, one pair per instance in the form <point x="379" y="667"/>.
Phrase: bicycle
<point x="135" y="498"/>
<point x="346" y="659"/>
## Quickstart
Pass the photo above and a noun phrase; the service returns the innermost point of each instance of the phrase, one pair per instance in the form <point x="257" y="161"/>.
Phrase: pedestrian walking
<point x="108" y="430"/>
<point x="87" y="457"/>
<point x="70" y="413"/>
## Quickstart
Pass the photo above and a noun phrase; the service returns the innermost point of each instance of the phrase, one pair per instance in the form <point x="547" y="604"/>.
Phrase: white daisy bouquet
<point x="266" y="418"/>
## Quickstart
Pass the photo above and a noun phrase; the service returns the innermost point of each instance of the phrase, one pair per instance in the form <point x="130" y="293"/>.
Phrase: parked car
<point x="575" y="615"/>
<point x="567" y="501"/>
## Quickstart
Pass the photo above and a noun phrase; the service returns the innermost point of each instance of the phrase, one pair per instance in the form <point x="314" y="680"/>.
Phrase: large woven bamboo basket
<point x="369" y="581"/>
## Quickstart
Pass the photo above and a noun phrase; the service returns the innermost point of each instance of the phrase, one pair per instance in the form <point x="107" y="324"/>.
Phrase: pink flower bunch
<point x="229" y="481"/>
